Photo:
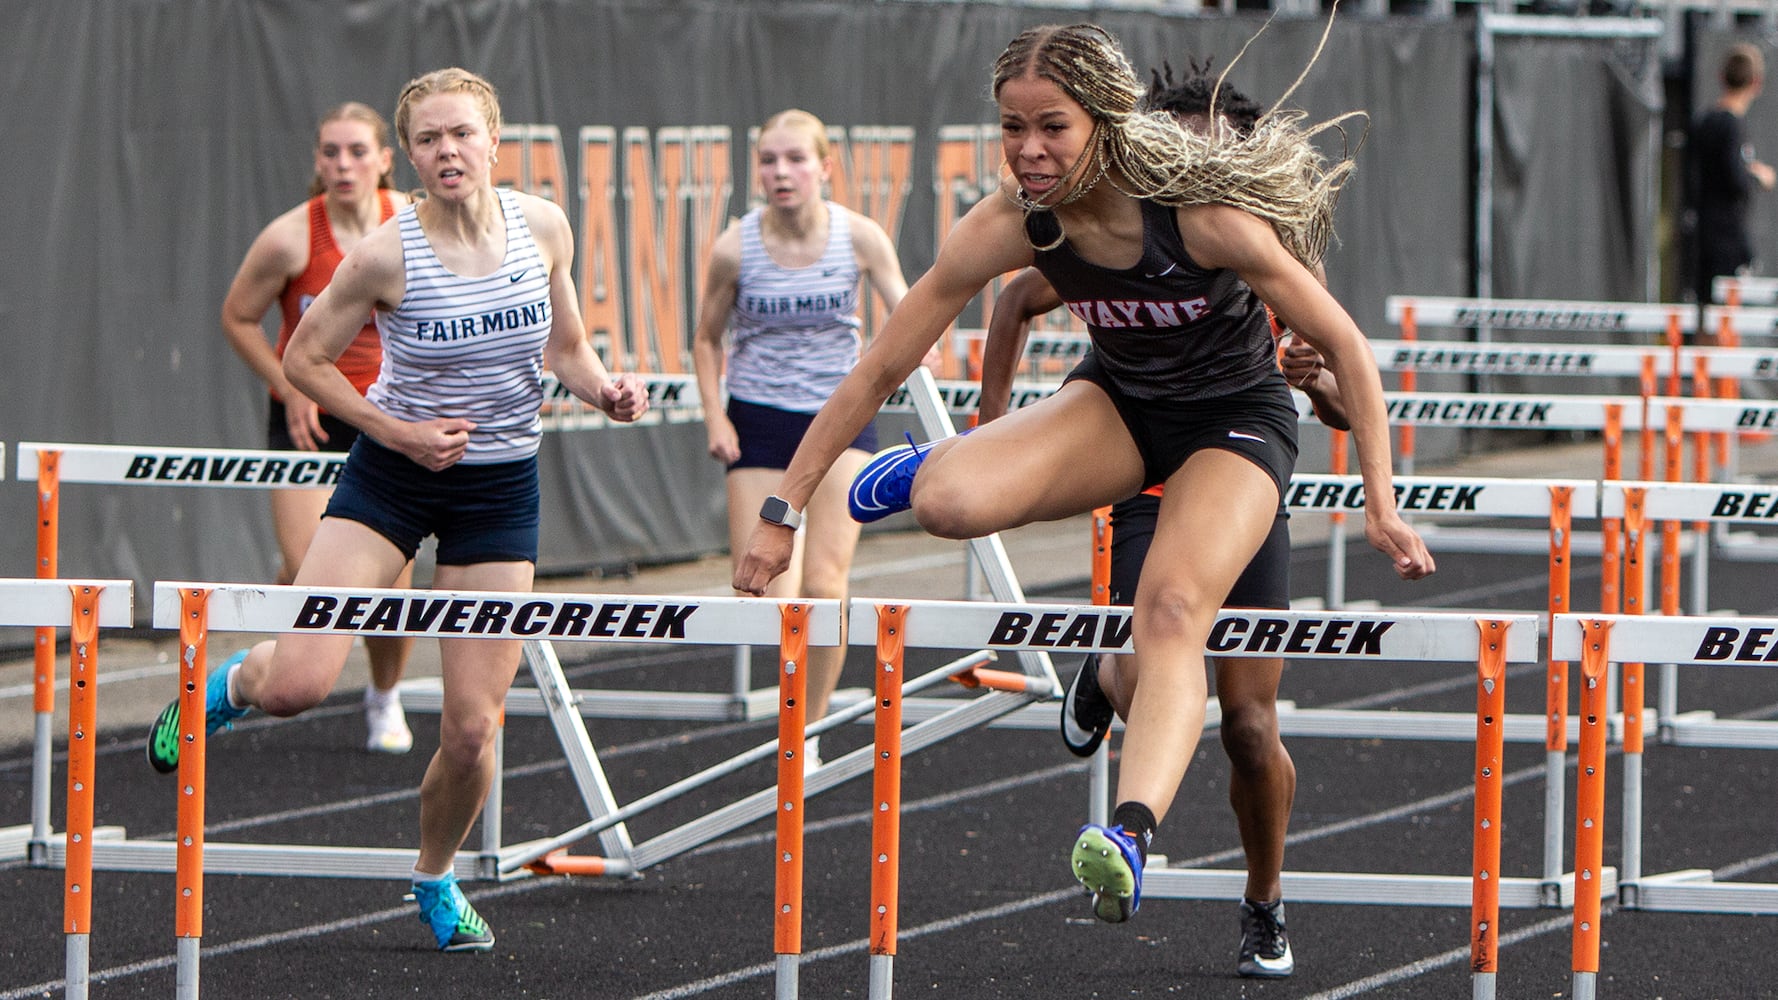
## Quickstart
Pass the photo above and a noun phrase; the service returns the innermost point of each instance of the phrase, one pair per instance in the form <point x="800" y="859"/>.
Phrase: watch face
<point x="777" y="511"/>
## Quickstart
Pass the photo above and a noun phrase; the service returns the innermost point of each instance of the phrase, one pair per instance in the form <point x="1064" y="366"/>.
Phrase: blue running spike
<point x="885" y="485"/>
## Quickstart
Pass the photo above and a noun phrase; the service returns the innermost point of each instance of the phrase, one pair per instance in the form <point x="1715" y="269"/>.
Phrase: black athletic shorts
<point x="1258" y="423"/>
<point x="340" y="435"/>
<point x="1265" y="583"/>
<point x="481" y="513"/>
<point x="769" y="435"/>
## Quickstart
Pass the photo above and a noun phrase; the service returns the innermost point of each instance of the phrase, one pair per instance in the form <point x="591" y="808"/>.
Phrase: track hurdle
<point x="454" y="614"/>
<point x="1696" y="641"/>
<point x="83" y="607"/>
<point x="1490" y="642"/>
<point x="1744" y="290"/>
<point x="1723" y="505"/>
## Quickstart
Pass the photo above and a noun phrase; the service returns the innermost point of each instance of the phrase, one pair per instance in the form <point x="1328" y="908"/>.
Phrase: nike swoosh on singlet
<point x="519" y="275"/>
<point x="1238" y="435"/>
<point x="1162" y="274"/>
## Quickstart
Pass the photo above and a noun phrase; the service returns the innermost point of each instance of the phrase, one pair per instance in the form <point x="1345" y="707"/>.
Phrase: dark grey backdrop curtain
<point x="152" y="140"/>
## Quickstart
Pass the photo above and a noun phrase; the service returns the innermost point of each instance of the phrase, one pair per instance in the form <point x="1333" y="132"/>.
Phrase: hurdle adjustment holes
<point x="187" y="790"/>
<point x="1590" y="772"/>
<point x="887" y="702"/>
<point x="1585" y="925"/>
<point x="1487" y="824"/>
<point x="188" y="841"/>
<point x="1483" y="927"/>
<point x="884" y="755"/>
<point x="882" y="807"/>
<point x="790" y="666"/>
<point x="186" y="893"/>
<point x="79" y="787"/>
<point x="787" y="857"/>
<point x="1487" y="772"/>
<point x="1588" y="822"/>
<point x="882" y="859"/>
<point x="882" y="909"/>
<point x="77" y="838"/>
<point x="1483" y="875"/>
<point x="790" y="703"/>
<point x="75" y="889"/>
<point x="789" y="807"/>
<point x="785" y="908"/>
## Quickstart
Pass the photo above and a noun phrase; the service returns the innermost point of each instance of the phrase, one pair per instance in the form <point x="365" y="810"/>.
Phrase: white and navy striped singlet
<point x="794" y="333"/>
<point x="469" y="347"/>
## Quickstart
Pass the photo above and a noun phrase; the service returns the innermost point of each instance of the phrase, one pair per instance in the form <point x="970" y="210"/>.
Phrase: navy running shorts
<point x="1265" y="583"/>
<point x="480" y="513"/>
<point x="340" y="435"/>
<point x="1258" y="423"/>
<point x="769" y="435"/>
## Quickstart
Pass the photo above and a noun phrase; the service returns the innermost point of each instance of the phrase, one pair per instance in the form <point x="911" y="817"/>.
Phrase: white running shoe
<point x="387" y="723"/>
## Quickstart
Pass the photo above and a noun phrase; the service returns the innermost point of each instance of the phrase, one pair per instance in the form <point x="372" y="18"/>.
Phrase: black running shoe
<point x="1265" y="948"/>
<point x="1086" y="713"/>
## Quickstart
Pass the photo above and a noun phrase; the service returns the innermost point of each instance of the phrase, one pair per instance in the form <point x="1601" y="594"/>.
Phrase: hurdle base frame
<point x="1696" y="890"/>
<point x="1364" y="888"/>
<point x="1702" y="728"/>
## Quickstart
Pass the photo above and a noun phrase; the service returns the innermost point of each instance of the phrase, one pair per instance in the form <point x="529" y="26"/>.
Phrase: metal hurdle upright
<point x="83" y="607"/>
<point x="1490" y="642"/>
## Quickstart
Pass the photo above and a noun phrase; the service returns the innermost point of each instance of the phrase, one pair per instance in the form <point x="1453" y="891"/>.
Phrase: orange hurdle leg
<point x="188" y="878"/>
<point x="885" y="838"/>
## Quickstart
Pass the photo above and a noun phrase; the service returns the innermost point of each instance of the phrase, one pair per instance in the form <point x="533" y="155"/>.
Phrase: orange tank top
<point x="363" y="358"/>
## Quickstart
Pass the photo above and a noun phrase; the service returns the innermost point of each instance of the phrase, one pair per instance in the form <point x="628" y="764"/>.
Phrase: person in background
<point x="783" y="285"/>
<point x="473" y="296"/>
<point x="1725" y="172"/>
<point x="287" y="265"/>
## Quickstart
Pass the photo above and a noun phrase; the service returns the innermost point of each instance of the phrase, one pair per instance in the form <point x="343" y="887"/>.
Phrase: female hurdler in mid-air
<point x="1166" y="243"/>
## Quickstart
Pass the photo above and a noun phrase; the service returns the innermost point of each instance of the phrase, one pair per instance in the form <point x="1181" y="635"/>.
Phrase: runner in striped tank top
<point x="472" y="293"/>
<point x="783" y="284"/>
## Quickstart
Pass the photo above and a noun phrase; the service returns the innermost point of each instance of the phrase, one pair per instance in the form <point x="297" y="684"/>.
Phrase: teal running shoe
<point x="219" y="713"/>
<point x="455" y="924"/>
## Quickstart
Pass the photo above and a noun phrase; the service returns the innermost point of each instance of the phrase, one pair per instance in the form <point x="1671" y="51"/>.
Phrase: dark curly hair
<point x="1191" y="95"/>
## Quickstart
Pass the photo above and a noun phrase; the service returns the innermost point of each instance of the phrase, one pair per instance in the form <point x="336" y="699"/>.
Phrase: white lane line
<point x="1432" y="963"/>
<point x="105" y="677"/>
<point x="734" y="976"/>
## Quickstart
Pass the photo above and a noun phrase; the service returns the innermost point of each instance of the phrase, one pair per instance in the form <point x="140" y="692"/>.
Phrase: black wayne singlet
<point x="1166" y="328"/>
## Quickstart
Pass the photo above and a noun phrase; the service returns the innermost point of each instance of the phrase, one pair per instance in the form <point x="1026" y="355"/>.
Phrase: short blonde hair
<point x="450" y="80"/>
<point x="800" y="119"/>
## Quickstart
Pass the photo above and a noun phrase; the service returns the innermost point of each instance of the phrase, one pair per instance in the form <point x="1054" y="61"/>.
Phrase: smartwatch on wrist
<point x="777" y="510"/>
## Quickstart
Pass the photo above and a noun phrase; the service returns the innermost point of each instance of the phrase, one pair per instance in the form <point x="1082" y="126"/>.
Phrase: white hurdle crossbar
<point x="1748" y="290"/>
<point x="83" y="607"/>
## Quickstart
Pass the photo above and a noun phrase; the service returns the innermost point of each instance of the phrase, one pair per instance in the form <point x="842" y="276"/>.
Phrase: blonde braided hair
<point x="1275" y="173"/>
